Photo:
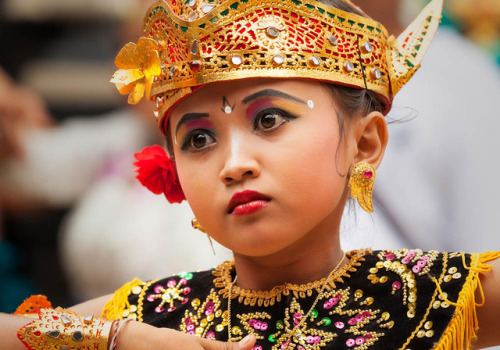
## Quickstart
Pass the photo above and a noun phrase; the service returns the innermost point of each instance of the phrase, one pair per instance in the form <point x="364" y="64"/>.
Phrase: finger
<point x="246" y="343"/>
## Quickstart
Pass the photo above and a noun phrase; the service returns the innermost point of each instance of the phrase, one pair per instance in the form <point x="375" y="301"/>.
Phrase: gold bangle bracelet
<point x="59" y="329"/>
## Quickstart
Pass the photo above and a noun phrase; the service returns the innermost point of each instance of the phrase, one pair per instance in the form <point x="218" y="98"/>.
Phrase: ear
<point x="371" y="135"/>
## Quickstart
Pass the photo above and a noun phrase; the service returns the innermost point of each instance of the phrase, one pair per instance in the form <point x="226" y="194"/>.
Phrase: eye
<point x="271" y="119"/>
<point x="197" y="140"/>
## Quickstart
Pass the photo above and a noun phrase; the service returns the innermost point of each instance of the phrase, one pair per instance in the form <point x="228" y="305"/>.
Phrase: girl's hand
<point x="136" y="335"/>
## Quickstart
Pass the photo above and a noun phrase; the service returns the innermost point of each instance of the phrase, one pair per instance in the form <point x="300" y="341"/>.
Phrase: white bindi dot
<point x="310" y="104"/>
<point x="228" y="110"/>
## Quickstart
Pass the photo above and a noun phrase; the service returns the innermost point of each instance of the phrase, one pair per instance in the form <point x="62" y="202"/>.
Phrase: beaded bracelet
<point x="119" y="324"/>
<point x="115" y="332"/>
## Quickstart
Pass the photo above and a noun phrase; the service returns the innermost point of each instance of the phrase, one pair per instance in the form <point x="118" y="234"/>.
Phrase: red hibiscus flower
<point x="156" y="171"/>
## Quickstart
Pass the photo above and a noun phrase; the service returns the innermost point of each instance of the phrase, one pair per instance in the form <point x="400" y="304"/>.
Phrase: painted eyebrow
<point x="188" y="117"/>
<point x="273" y="93"/>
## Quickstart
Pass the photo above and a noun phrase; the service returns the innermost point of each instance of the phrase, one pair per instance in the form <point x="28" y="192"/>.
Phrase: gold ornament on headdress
<point x="201" y="42"/>
<point x="361" y="183"/>
<point x="138" y="65"/>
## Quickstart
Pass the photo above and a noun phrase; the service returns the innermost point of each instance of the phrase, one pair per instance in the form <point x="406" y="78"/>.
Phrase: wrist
<point x="116" y="329"/>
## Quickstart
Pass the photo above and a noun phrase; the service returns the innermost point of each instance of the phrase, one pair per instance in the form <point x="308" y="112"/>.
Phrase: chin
<point x="261" y="247"/>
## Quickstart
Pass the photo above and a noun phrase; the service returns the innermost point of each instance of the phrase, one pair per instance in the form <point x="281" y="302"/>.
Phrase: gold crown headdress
<point x="190" y="43"/>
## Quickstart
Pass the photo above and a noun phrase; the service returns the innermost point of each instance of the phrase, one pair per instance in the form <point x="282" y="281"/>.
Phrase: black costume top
<point x="405" y="299"/>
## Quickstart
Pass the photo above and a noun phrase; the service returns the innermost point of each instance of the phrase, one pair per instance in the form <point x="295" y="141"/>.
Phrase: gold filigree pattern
<point x="409" y="48"/>
<point x="255" y="322"/>
<point x="207" y="313"/>
<point x="64" y="329"/>
<point x="223" y="40"/>
<point x="304" y="337"/>
<point x="407" y="263"/>
<point x="223" y="279"/>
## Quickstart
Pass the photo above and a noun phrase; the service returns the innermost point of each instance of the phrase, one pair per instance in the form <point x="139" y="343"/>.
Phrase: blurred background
<point x="57" y="57"/>
<point x="74" y="222"/>
<point x="477" y="20"/>
<point x="63" y="51"/>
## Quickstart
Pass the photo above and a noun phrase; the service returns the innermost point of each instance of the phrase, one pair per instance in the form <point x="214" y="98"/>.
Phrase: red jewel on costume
<point x="156" y="171"/>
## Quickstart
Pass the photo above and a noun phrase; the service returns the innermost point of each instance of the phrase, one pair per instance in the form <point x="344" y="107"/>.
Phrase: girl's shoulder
<point x="428" y="299"/>
<point x="147" y="301"/>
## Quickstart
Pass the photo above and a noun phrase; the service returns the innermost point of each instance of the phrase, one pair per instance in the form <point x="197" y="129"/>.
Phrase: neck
<point x="305" y="261"/>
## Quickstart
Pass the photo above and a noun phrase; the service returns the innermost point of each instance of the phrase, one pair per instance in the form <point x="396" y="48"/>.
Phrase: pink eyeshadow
<point x="201" y="123"/>
<point x="257" y="106"/>
<point x="197" y="124"/>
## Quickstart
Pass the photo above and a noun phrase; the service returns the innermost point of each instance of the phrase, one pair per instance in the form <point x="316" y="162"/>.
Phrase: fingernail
<point x="246" y="340"/>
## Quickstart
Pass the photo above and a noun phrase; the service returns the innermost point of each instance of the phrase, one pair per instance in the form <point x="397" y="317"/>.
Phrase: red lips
<point x="247" y="202"/>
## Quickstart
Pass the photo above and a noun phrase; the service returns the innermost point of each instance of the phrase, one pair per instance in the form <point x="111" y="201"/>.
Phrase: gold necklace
<point x="296" y="329"/>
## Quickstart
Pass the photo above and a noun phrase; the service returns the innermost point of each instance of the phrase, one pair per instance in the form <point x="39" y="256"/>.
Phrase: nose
<point x="240" y="162"/>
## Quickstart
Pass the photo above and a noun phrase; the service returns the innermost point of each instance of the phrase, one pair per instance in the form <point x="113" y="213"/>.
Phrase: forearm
<point x="136" y="335"/>
<point x="9" y="325"/>
<point x="62" y="328"/>
<point x="85" y="322"/>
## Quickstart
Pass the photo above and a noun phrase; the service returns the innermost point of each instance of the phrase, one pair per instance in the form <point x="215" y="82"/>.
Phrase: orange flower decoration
<point x="156" y="171"/>
<point x="137" y="67"/>
<point x="33" y="304"/>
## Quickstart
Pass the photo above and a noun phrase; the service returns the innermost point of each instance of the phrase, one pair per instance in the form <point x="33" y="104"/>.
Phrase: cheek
<point x="196" y="184"/>
<point x="319" y="164"/>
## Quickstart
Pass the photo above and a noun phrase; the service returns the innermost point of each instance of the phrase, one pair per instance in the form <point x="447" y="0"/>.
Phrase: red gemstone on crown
<point x="195" y="65"/>
<point x="368" y="174"/>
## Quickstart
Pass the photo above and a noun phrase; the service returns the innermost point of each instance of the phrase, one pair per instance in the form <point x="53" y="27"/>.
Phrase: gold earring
<point x="196" y="225"/>
<point x="361" y="182"/>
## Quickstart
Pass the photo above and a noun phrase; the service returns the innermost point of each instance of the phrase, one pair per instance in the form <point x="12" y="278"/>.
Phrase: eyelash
<point x="186" y="142"/>
<point x="274" y="111"/>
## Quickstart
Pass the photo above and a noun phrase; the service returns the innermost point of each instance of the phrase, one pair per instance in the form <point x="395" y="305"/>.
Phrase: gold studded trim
<point x="223" y="280"/>
<point x="463" y="327"/>
<point x="425" y="319"/>
<point x="196" y="45"/>
<point x="119" y="302"/>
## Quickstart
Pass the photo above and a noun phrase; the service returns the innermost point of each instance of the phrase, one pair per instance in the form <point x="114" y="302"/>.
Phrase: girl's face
<point x="261" y="162"/>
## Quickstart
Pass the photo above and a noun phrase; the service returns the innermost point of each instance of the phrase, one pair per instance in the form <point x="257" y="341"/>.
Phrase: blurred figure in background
<point x="480" y="21"/>
<point x="15" y="119"/>
<point x="454" y="94"/>
<point x="86" y="164"/>
<point x="107" y="237"/>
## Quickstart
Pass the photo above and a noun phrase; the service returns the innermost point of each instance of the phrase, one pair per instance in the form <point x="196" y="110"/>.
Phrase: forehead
<point x="211" y="96"/>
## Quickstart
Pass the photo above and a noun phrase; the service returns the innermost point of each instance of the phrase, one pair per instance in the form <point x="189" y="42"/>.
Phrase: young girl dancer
<point x="273" y="113"/>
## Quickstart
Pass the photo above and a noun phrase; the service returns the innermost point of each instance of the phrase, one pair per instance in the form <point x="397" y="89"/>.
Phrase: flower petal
<point x="175" y="194"/>
<point x="126" y="76"/>
<point x="153" y="64"/>
<point x="128" y="57"/>
<point x="148" y="83"/>
<point x="136" y="95"/>
<point x="146" y="47"/>
<point x="156" y="171"/>
<point x="150" y="59"/>
<point x="151" y="152"/>
<point x="125" y="89"/>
